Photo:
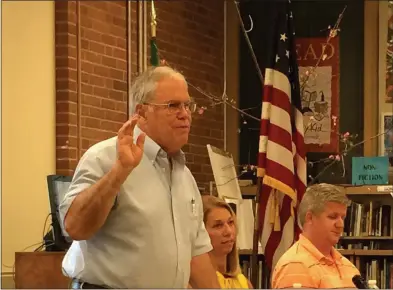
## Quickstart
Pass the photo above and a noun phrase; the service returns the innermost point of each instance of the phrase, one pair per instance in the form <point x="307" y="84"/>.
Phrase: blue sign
<point x="370" y="170"/>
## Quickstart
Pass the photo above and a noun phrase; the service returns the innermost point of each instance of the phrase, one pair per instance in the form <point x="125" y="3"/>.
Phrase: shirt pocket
<point x="193" y="218"/>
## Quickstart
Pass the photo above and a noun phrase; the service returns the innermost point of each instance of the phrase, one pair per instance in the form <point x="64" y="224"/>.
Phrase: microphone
<point x="359" y="282"/>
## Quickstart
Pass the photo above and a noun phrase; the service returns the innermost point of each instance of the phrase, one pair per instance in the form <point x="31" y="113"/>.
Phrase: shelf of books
<point x="368" y="236"/>
<point x="367" y="240"/>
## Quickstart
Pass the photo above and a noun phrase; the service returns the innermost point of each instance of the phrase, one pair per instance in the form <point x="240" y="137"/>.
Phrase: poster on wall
<point x="319" y="83"/>
<point x="386" y="142"/>
<point x="389" y="56"/>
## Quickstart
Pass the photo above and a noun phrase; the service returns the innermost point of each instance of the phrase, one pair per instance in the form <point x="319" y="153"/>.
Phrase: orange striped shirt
<point x="303" y="263"/>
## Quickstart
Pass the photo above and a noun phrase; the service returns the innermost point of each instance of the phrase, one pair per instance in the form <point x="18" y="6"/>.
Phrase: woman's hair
<point x="209" y="203"/>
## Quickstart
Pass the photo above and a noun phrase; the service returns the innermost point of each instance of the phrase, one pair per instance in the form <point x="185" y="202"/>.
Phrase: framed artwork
<point x="386" y="140"/>
<point x="389" y="54"/>
<point x="320" y="92"/>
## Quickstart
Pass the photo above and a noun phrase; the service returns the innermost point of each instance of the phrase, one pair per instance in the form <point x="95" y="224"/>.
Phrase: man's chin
<point x="182" y="140"/>
<point x="335" y="240"/>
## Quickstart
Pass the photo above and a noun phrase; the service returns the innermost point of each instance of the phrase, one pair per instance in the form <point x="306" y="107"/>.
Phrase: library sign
<point x="370" y="170"/>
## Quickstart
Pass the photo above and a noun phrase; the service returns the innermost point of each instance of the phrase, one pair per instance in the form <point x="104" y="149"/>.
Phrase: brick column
<point x="91" y="76"/>
<point x="92" y="72"/>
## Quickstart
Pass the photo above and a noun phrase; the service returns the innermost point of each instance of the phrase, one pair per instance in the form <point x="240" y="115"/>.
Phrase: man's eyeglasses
<point x="174" y="107"/>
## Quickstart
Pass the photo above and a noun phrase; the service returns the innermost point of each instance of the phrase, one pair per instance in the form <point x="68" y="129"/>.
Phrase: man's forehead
<point x="335" y="207"/>
<point x="172" y="89"/>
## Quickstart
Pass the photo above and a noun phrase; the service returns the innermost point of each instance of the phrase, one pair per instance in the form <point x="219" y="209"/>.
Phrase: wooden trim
<point x="371" y="61"/>
<point x="232" y="119"/>
<point x="369" y="190"/>
<point x="366" y="238"/>
<point x="350" y="190"/>
<point x="366" y="252"/>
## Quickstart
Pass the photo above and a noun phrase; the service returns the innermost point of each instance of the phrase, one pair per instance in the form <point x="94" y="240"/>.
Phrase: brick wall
<point x="92" y="72"/>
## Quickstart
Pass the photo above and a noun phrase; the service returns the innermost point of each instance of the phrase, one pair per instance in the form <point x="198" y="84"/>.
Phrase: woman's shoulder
<point x="233" y="281"/>
<point x="242" y="280"/>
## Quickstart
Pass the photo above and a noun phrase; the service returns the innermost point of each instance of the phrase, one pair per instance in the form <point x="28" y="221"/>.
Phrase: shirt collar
<point x="153" y="150"/>
<point x="306" y="243"/>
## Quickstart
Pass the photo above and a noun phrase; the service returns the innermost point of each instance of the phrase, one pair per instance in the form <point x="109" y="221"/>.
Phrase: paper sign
<point x="370" y="170"/>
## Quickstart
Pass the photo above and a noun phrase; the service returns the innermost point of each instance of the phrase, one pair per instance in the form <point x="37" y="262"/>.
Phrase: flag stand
<point x="255" y="246"/>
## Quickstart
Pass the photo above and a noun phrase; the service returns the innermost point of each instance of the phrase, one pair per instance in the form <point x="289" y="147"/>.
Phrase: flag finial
<point x="154" y="59"/>
<point x="153" y="20"/>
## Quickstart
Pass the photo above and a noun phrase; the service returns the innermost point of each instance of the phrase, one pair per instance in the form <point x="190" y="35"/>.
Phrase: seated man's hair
<point x="316" y="197"/>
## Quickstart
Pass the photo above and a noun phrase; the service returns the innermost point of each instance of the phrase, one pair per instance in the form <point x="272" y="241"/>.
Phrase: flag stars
<point x="277" y="58"/>
<point x="291" y="15"/>
<point x="283" y="37"/>
<point x="287" y="53"/>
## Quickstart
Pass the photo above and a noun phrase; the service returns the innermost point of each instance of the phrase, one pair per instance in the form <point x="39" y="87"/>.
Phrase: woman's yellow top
<point x="238" y="282"/>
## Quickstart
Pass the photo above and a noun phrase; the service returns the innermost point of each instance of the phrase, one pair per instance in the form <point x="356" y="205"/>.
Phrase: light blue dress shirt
<point x="154" y="230"/>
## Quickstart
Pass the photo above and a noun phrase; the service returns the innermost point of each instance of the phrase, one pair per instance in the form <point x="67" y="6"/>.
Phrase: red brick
<point x="189" y="37"/>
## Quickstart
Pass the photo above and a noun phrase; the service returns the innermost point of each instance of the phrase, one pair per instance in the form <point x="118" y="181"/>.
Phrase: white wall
<point x="28" y="122"/>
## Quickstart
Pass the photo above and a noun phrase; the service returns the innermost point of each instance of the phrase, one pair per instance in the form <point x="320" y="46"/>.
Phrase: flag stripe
<point x="278" y="80"/>
<point x="279" y="169"/>
<point x="278" y="113"/>
<point x="282" y="156"/>
<point x="277" y="135"/>
<point x="276" y="236"/>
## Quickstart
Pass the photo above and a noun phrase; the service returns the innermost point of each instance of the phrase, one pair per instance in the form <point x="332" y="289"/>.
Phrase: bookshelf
<point x="368" y="238"/>
<point x="368" y="234"/>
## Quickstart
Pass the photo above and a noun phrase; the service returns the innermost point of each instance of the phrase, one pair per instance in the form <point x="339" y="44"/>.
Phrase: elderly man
<point x="133" y="208"/>
<point x="313" y="261"/>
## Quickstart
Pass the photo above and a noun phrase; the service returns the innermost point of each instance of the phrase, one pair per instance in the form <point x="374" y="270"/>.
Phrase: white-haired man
<point x="133" y="208"/>
<point x="313" y="261"/>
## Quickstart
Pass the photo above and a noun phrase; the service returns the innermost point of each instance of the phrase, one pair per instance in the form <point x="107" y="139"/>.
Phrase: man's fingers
<point x="141" y="140"/>
<point x="123" y="129"/>
<point x="134" y="121"/>
<point x="128" y="127"/>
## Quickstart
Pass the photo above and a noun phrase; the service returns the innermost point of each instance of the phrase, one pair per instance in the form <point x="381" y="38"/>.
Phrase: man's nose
<point x="183" y="113"/>
<point x="340" y="223"/>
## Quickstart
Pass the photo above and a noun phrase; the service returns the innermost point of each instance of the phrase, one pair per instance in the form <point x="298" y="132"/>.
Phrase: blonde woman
<point x="220" y="223"/>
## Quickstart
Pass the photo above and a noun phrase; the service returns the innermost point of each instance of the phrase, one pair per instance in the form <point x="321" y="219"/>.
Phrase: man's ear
<point x="309" y="217"/>
<point x="140" y="110"/>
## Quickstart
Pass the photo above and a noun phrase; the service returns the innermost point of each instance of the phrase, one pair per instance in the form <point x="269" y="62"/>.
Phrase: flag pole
<point x="255" y="244"/>
<point x="154" y="59"/>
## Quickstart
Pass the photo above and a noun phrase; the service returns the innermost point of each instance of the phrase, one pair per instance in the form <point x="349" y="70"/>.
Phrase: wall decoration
<point x="389" y="55"/>
<point x="386" y="140"/>
<point x="319" y="63"/>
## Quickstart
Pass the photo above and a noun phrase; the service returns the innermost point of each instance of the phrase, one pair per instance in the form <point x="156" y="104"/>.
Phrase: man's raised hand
<point x="129" y="154"/>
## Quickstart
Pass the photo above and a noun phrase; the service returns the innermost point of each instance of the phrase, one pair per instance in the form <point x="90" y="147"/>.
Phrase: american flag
<point x="281" y="158"/>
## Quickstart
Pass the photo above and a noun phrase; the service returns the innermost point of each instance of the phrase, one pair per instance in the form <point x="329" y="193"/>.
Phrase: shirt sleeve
<point x="286" y="275"/>
<point x="202" y="243"/>
<point x="87" y="173"/>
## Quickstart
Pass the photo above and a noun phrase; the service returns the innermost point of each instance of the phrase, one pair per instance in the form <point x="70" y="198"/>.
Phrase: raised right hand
<point x="129" y="154"/>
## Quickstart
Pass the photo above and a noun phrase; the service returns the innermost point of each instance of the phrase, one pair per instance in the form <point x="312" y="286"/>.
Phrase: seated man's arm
<point x="292" y="273"/>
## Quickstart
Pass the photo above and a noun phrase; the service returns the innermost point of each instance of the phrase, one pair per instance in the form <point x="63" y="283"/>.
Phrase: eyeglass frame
<point x="180" y="106"/>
